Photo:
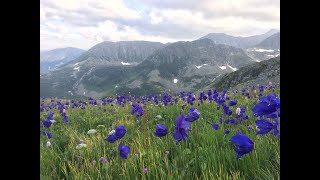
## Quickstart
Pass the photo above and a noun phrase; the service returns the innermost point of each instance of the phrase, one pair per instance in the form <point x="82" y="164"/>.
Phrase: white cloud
<point x="84" y="23"/>
<point x="154" y="18"/>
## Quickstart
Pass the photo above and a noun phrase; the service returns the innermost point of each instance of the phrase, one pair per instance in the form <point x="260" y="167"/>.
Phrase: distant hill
<point x="240" y="42"/>
<point x="257" y="73"/>
<point x="268" y="48"/>
<point x="51" y="60"/>
<point x="272" y="42"/>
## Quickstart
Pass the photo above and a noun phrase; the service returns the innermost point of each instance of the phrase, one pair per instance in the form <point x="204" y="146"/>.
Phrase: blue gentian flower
<point x="46" y="123"/>
<point x="268" y="104"/>
<point x="233" y="122"/>
<point x="111" y="138"/>
<point x="275" y="127"/>
<point x="220" y="120"/>
<point x="50" y="116"/>
<point x="233" y="102"/>
<point x="123" y="150"/>
<point x="227" y="121"/>
<point x="244" y="143"/>
<point x="264" y="126"/>
<point x="116" y="134"/>
<point x="120" y="131"/>
<point x="215" y="126"/>
<point x="46" y="133"/>
<point x="65" y="119"/>
<point x="272" y="115"/>
<point x="136" y="108"/>
<point x="161" y="130"/>
<point x="181" y="129"/>
<point x="227" y="131"/>
<point x="193" y="115"/>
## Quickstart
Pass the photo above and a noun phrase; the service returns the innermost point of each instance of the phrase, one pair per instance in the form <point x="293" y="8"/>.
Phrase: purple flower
<point x="46" y="133"/>
<point x="244" y="143"/>
<point x="193" y="115"/>
<point x="220" y="120"/>
<point x="145" y="170"/>
<point x="123" y="150"/>
<point x="111" y="138"/>
<point x="227" y="131"/>
<point x="266" y="126"/>
<point x="120" y="131"/>
<point x="268" y="104"/>
<point x="161" y="130"/>
<point x="116" y="134"/>
<point x="181" y="129"/>
<point x="136" y="108"/>
<point x="65" y="118"/>
<point x="215" y="126"/>
<point x="233" y="102"/>
<point x="227" y="121"/>
<point x="50" y="116"/>
<point x="272" y="115"/>
<point x="233" y="122"/>
<point x="46" y="123"/>
<point x="275" y="127"/>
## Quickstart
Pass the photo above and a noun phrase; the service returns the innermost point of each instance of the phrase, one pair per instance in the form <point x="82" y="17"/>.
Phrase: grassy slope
<point x="207" y="154"/>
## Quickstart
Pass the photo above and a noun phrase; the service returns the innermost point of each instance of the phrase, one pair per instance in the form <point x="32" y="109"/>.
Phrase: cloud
<point x="84" y="23"/>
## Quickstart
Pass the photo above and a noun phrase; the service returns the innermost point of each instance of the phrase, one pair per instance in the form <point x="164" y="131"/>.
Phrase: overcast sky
<point x="84" y="23"/>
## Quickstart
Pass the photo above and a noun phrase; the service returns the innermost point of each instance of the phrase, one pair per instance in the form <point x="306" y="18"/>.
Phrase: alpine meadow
<point x="143" y="90"/>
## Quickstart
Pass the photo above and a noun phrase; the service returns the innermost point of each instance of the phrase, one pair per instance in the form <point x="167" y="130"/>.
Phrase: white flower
<point x="257" y="128"/>
<point x="92" y="131"/>
<point x="80" y="146"/>
<point x="48" y="144"/>
<point x="113" y="131"/>
<point x="53" y="121"/>
<point x="238" y="111"/>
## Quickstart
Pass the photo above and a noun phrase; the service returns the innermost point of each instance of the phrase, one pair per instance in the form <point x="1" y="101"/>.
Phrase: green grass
<point x="207" y="154"/>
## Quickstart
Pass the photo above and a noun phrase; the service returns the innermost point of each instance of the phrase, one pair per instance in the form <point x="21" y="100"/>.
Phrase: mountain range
<point x="53" y="59"/>
<point x="142" y="67"/>
<point x="241" y="42"/>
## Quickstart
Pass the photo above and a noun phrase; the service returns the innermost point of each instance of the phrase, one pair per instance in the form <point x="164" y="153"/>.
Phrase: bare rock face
<point x="257" y="73"/>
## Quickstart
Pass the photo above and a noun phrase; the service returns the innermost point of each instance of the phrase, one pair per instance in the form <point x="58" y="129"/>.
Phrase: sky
<point x="85" y="23"/>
